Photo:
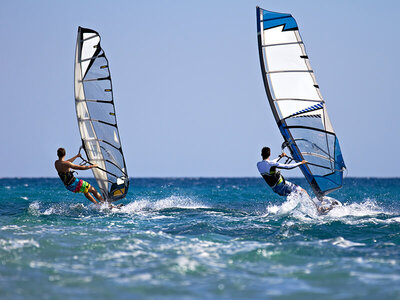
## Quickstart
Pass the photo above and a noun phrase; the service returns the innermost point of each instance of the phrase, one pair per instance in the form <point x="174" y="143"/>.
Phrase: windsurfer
<point x="268" y="170"/>
<point x="71" y="183"/>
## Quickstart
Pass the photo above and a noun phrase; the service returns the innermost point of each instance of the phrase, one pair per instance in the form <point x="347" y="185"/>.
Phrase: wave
<point x="294" y="210"/>
<point x="13" y="244"/>
<point x="171" y="202"/>
<point x="138" y="206"/>
<point x="38" y="208"/>
<point x="302" y="208"/>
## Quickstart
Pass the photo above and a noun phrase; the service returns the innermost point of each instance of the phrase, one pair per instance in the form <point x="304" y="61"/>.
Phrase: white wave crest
<point x="303" y="209"/>
<point x="36" y="208"/>
<point x="298" y="205"/>
<point x="343" y="243"/>
<point x="366" y="208"/>
<point x="169" y="202"/>
<point x="13" y="244"/>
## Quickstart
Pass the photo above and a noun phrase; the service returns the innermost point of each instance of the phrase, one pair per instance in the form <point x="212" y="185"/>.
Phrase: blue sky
<point x="187" y="83"/>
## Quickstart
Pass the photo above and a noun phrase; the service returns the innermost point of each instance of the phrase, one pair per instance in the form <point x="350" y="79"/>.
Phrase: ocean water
<point x="214" y="238"/>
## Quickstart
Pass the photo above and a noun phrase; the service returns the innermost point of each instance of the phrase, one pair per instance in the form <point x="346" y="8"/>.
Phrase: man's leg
<point x="96" y="194"/>
<point x="294" y="188"/>
<point x="87" y="195"/>
<point x="303" y="191"/>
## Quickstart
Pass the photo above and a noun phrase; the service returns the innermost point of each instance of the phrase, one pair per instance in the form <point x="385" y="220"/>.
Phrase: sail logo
<point x="273" y="19"/>
<point x="308" y="109"/>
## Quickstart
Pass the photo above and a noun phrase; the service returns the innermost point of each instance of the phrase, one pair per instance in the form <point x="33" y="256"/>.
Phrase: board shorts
<point x="285" y="188"/>
<point x="79" y="186"/>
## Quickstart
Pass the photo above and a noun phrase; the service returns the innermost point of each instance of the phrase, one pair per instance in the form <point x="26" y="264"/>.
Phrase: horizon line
<point x="202" y="177"/>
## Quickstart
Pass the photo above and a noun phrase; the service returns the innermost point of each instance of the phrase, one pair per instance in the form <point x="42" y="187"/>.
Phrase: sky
<point x="188" y="90"/>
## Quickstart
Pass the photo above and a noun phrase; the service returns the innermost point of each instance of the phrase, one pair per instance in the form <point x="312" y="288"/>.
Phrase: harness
<point x="67" y="177"/>
<point x="273" y="178"/>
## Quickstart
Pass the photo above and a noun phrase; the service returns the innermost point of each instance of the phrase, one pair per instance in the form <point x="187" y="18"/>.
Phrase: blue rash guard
<point x="268" y="170"/>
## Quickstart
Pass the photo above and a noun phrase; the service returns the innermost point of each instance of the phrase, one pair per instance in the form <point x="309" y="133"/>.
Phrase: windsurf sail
<point x="297" y="103"/>
<point x="95" y="111"/>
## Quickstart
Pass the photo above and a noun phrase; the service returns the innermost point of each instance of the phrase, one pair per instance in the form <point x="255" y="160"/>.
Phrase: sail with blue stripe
<point x="296" y="101"/>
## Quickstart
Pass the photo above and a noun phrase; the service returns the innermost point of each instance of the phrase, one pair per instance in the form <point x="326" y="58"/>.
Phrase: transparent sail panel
<point x="96" y="116"/>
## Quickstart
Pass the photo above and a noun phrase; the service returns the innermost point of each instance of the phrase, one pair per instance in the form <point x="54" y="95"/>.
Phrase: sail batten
<point x="95" y="110"/>
<point x="289" y="71"/>
<point x="296" y="101"/>
<point x="283" y="44"/>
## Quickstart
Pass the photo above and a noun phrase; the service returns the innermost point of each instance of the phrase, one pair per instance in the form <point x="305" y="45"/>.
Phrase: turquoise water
<point x="217" y="238"/>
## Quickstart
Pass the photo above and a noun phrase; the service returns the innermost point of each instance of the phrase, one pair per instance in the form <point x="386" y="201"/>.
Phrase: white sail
<point x="95" y="112"/>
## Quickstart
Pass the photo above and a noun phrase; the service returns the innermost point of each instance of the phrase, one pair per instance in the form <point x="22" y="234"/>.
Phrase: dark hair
<point x="60" y="152"/>
<point x="265" y="152"/>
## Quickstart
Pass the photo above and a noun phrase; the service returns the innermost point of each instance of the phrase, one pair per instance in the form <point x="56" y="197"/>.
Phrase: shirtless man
<point x="268" y="170"/>
<point x="71" y="183"/>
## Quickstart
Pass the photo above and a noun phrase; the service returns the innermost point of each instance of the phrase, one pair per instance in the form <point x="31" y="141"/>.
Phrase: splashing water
<point x="199" y="239"/>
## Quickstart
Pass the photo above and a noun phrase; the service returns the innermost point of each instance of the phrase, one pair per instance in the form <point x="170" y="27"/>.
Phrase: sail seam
<point x="296" y="99"/>
<point x="283" y="44"/>
<point x="100" y="121"/>
<point x="96" y="79"/>
<point x="89" y="38"/>
<point x="91" y="58"/>
<point x="311" y="128"/>
<point x="290" y="71"/>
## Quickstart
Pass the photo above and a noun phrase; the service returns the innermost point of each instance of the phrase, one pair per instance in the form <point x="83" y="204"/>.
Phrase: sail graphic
<point x="296" y="101"/>
<point x="95" y="112"/>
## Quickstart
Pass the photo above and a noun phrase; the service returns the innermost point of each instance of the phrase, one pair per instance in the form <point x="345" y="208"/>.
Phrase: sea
<point x="199" y="238"/>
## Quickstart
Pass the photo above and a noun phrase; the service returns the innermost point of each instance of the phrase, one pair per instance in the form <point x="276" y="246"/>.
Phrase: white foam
<point x="34" y="205"/>
<point x="393" y="220"/>
<point x="303" y="209"/>
<point x="166" y="203"/>
<point x="40" y="264"/>
<point x="139" y="277"/>
<point x="366" y="208"/>
<point x="11" y="227"/>
<point x="77" y="206"/>
<point x="34" y="208"/>
<point x="375" y="277"/>
<point x="343" y="243"/>
<point x="17" y="244"/>
<point x="184" y="264"/>
<point x="49" y="211"/>
<point x="298" y="205"/>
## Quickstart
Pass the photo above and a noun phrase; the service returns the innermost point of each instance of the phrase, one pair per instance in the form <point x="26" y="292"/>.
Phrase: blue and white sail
<point x="95" y="112"/>
<point x="296" y="101"/>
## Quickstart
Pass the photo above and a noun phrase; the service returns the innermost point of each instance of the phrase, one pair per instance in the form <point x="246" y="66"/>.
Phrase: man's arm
<point x="73" y="158"/>
<point x="78" y="167"/>
<point x="288" y="166"/>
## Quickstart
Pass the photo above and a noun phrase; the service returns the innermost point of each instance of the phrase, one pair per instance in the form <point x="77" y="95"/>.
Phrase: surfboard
<point x="326" y="204"/>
